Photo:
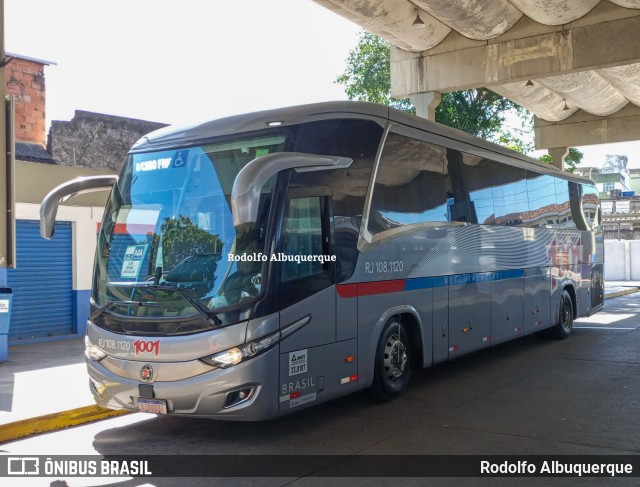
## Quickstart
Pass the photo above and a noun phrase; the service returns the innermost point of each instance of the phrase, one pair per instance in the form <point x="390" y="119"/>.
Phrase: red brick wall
<point x="25" y="80"/>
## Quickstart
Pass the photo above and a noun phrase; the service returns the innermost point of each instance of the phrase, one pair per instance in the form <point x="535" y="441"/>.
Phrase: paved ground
<point x="56" y="370"/>
<point x="531" y="396"/>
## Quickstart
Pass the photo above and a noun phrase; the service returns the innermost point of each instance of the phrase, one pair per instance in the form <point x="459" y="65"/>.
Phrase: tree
<point x="367" y="77"/>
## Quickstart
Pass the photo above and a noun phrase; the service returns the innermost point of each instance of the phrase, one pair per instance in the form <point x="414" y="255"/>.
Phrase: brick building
<point x="24" y="79"/>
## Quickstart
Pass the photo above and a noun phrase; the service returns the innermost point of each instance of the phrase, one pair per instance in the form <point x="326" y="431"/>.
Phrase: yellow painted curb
<point x="623" y="292"/>
<point x="56" y="421"/>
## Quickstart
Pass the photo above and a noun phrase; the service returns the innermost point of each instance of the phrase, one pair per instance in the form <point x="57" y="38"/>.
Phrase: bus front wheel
<point x="393" y="362"/>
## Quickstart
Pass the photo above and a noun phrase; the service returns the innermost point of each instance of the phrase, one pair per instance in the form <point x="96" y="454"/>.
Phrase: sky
<point x="175" y="62"/>
<point x="179" y="62"/>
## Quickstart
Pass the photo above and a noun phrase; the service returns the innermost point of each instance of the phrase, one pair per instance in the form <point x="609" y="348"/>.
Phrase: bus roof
<point x="176" y="136"/>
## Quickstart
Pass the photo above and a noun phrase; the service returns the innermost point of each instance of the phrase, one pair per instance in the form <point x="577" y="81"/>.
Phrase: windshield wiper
<point x="150" y="304"/>
<point x="212" y="318"/>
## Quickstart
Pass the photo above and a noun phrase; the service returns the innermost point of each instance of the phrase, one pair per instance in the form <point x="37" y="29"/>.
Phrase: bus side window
<point x="565" y="218"/>
<point x="543" y="210"/>
<point x="590" y="203"/>
<point x="305" y="236"/>
<point x="411" y="186"/>
<point x="302" y="238"/>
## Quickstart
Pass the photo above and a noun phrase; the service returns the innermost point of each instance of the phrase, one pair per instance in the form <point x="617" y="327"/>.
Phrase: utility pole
<point x="7" y="129"/>
<point x="4" y="217"/>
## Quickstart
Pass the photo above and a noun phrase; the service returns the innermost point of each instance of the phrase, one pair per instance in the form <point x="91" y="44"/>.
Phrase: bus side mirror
<point x="50" y="203"/>
<point x="245" y="195"/>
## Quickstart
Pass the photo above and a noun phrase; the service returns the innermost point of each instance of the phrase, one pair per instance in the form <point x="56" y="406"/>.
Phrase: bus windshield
<point x="168" y="225"/>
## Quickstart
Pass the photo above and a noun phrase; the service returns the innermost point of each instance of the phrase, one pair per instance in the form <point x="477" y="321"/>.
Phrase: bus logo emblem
<point x="146" y="373"/>
<point x="147" y="346"/>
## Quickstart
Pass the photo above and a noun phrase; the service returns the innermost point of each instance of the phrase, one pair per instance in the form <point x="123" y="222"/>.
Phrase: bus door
<point x="312" y="362"/>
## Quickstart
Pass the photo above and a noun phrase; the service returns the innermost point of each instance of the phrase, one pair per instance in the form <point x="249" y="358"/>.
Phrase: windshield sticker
<point x="261" y="152"/>
<point x="133" y="257"/>
<point x="152" y="165"/>
<point x="179" y="159"/>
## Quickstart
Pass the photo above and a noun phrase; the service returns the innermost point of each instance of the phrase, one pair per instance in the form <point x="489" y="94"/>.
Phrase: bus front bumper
<point x="244" y="392"/>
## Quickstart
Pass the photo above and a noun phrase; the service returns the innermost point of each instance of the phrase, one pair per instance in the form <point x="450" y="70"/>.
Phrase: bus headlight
<point x="225" y="359"/>
<point x="235" y="355"/>
<point x="92" y="352"/>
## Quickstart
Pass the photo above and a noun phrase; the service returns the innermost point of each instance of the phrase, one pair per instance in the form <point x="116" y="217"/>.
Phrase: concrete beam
<point x="526" y="51"/>
<point x="558" y="154"/>
<point x="584" y="129"/>
<point x="426" y="104"/>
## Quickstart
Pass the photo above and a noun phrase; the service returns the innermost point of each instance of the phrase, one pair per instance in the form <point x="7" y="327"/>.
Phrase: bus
<point x="256" y="265"/>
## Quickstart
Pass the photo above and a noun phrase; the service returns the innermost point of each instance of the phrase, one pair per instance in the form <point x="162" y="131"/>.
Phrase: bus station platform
<point x="44" y="386"/>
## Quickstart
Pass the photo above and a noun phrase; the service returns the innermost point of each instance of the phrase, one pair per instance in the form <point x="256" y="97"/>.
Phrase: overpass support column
<point x="558" y="154"/>
<point x="426" y="104"/>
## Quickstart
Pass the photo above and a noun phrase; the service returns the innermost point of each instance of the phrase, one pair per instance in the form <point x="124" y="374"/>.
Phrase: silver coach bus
<point x="256" y="265"/>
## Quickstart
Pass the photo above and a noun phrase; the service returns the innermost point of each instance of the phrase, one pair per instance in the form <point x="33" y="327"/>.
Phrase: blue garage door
<point x="42" y="283"/>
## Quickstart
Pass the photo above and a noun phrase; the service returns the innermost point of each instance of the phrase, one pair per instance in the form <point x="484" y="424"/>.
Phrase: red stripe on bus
<point x="370" y="288"/>
<point x="380" y="287"/>
<point x="347" y="290"/>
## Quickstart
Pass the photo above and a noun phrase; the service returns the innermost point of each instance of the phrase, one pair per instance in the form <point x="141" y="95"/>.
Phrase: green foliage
<point x="181" y="238"/>
<point x="367" y="78"/>
<point x="480" y="112"/>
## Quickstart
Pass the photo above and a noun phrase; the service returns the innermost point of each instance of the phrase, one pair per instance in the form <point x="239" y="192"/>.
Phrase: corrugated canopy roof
<point x="599" y="92"/>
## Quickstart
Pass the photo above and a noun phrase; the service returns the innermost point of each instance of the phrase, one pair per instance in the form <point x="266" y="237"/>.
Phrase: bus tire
<point x="393" y="362"/>
<point x="565" y="317"/>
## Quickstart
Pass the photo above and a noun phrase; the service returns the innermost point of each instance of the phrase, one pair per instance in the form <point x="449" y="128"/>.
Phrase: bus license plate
<point x="156" y="406"/>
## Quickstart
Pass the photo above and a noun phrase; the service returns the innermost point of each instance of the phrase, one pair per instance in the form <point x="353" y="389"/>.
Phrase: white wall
<point x="622" y="260"/>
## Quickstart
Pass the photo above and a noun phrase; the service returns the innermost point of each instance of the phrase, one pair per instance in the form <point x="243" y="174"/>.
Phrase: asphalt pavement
<point x="44" y="386"/>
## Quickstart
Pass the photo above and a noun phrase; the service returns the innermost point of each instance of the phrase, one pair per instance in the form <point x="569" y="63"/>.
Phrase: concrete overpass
<point x="574" y="63"/>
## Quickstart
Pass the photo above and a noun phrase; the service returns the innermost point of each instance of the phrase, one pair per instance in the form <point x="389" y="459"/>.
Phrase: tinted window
<point x="541" y="193"/>
<point x="565" y="220"/>
<point x="359" y="140"/>
<point x="590" y="203"/>
<point x="411" y="186"/>
<point x="479" y="177"/>
<point x="302" y="238"/>
<point x="510" y="196"/>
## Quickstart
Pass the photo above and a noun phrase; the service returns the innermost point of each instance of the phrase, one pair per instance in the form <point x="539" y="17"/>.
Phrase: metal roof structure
<point x="33" y="153"/>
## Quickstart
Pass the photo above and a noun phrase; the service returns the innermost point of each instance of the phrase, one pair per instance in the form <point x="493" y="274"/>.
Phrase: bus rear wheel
<point x="565" y="319"/>
<point x="393" y="362"/>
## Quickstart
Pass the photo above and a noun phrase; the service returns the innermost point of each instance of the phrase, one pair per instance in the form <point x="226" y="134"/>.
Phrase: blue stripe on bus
<point x="432" y="282"/>
<point x="384" y="287"/>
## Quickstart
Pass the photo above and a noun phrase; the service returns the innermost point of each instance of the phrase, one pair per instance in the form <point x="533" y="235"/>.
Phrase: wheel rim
<point x="565" y="315"/>
<point x="395" y="358"/>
